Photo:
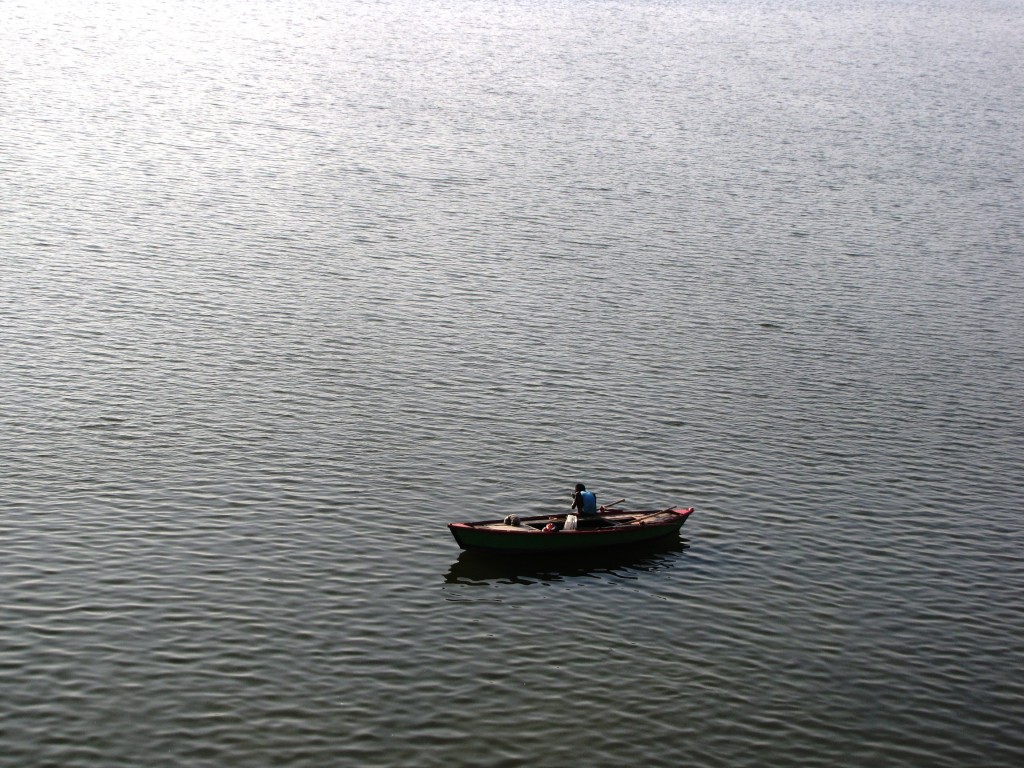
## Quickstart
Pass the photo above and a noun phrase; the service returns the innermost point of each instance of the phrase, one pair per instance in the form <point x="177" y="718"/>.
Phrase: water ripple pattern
<point x="286" y="287"/>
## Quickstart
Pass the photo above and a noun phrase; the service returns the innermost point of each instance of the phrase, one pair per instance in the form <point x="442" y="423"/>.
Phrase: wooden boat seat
<point x="521" y="527"/>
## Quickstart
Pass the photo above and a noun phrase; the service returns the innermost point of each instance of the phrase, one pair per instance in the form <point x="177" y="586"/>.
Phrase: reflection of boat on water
<point x="481" y="567"/>
<point x="548" y="534"/>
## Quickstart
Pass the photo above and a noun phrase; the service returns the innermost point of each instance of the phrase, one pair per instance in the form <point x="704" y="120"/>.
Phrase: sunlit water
<point x="286" y="287"/>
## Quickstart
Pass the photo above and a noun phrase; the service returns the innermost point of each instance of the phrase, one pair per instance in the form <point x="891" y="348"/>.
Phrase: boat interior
<point x="582" y="523"/>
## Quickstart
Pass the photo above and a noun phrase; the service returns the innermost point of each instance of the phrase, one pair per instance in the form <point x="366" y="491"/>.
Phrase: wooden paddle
<point x="606" y="506"/>
<point x="651" y="514"/>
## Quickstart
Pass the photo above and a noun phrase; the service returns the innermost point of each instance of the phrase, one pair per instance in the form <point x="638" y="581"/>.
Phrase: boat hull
<point x="493" y="536"/>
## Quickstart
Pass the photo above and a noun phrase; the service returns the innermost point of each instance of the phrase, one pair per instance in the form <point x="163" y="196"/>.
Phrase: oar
<point x="605" y="506"/>
<point x="650" y="514"/>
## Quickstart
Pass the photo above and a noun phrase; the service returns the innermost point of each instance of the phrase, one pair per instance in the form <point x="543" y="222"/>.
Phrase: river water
<point x="286" y="287"/>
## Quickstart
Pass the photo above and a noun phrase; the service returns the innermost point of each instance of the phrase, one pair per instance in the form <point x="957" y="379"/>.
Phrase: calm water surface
<point x="286" y="287"/>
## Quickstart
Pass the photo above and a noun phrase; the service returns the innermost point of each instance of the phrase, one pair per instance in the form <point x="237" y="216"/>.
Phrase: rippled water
<point x="285" y="288"/>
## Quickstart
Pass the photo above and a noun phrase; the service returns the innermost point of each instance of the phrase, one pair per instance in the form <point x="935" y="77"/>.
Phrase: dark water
<point x="286" y="287"/>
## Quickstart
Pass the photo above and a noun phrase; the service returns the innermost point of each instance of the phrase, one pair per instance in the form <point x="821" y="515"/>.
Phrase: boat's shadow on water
<point x="483" y="568"/>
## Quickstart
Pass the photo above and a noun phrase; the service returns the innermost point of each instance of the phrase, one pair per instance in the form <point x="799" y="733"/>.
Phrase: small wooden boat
<point x="546" y="534"/>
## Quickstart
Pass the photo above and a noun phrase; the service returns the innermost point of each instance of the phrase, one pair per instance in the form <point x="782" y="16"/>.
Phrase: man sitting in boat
<point x="584" y="502"/>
